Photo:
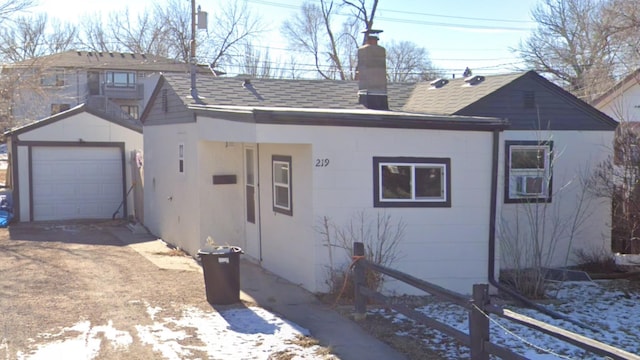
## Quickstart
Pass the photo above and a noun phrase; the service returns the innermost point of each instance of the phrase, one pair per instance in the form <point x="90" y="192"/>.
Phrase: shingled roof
<point x="455" y="95"/>
<point x="287" y="93"/>
<point x="73" y="59"/>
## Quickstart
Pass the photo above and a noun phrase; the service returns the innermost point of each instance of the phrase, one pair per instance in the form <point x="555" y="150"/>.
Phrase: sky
<point x="457" y="33"/>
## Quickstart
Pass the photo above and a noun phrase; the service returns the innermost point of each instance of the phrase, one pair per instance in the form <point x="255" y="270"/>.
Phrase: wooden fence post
<point x="479" y="322"/>
<point x="359" y="280"/>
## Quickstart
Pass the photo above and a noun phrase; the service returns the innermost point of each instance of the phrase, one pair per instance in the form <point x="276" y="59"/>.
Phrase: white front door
<point x="252" y="208"/>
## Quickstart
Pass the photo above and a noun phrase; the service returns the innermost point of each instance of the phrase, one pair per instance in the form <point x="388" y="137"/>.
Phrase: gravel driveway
<point x="55" y="276"/>
<point x="75" y="291"/>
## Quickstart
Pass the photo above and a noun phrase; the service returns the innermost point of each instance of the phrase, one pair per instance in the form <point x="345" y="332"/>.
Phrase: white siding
<point x="576" y="155"/>
<point x="172" y="199"/>
<point x="623" y="106"/>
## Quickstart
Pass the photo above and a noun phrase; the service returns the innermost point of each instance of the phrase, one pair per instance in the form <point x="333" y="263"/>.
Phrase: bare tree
<point x="312" y="33"/>
<point x="362" y="14"/>
<point x="30" y="37"/>
<point x="9" y="8"/>
<point x="407" y="62"/>
<point x="573" y="44"/>
<point x="94" y="36"/>
<point x="256" y="64"/>
<point x="146" y="35"/>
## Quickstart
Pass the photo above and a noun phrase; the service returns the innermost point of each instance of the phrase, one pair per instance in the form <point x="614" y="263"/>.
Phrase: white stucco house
<point x="72" y="165"/>
<point x="257" y="163"/>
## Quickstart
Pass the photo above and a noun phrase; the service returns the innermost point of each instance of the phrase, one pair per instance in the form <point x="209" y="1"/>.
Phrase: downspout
<point x="258" y="200"/>
<point x="492" y="245"/>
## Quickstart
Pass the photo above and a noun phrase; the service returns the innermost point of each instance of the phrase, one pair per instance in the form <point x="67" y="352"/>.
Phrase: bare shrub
<point x="595" y="261"/>
<point x="381" y="236"/>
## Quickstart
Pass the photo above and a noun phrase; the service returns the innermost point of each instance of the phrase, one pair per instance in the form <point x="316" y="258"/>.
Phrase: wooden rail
<point x="479" y="308"/>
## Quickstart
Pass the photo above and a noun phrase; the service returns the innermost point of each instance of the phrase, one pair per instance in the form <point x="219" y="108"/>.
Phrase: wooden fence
<point x="479" y="308"/>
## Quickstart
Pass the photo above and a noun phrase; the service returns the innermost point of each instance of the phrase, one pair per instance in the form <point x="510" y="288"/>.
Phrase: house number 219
<point x="322" y="162"/>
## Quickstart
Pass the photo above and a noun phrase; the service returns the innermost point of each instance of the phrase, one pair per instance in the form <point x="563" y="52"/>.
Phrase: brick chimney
<point x="372" y="73"/>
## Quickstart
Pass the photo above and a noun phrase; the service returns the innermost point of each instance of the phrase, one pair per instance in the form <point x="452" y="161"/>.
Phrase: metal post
<point x="192" y="55"/>
<point x="479" y="322"/>
<point x="359" y="280"/>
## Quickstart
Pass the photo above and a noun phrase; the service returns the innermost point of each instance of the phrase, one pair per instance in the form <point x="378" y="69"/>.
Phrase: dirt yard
<point x="55" y="276"/>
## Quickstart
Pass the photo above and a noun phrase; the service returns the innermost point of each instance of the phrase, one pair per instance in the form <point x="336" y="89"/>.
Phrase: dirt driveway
<point x="75" y="283"/>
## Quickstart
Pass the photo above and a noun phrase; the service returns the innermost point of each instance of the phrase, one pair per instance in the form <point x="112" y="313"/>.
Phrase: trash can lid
<point x="219" y="250"/>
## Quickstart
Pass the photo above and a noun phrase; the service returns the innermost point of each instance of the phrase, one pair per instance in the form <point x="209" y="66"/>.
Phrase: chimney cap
<point x="371" y="32"/>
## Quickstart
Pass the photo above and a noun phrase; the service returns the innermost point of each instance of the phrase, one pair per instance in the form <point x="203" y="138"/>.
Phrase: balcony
<point x="136" y="92"/>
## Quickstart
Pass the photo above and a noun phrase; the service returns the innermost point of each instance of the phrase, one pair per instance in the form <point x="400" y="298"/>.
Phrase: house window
<point x="132" y="110"/>
<point x="121" y="79"/>
<point x="411" y="182"/>
<point x="181" y="158"/>
<point x="528" y="171"/>
<point x="282" y="200"/>
<point x="58" y="108"/>
<point x="53" y="78"/>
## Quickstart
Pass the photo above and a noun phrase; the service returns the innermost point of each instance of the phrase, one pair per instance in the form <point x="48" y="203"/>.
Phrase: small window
<point x="412" y="182"/>
<point x="282" y="199"/>
<point x="53" y="78"/>
<point x="58" y="108"/>
<point x="528" y="171"/>
<point x="121" y="79"/>
<point x="181" y="158"/>
<point x="529" y="99"/>
<point x="131" y="110"/>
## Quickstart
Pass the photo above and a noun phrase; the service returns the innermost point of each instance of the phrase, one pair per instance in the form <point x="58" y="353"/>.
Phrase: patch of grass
<point x="171" y="252"/>
<point x="281" y="355"/>
<point x="304" y="341"/>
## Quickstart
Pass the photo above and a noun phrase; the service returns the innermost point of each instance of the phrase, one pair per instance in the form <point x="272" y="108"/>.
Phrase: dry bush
<point x="595" y="261"/>
<point x="381" y="236"/>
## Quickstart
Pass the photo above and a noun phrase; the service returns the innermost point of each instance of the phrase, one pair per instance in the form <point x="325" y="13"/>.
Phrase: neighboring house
<point x="622" y="102"/>
<point x="72" y="165"/>
<point x="117" y="84"/>
<point x="260" y="162"/>
<point x="554" y="142"/>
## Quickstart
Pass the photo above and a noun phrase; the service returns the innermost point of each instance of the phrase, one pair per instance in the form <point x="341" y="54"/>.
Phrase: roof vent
<point x="438" y="83"/>
<point x="122" y="55"/>
<point x="79" y="53"/>
<point x="474" y="80"/>
<point x="111" y="54"/>
<point x="246" y="83"/>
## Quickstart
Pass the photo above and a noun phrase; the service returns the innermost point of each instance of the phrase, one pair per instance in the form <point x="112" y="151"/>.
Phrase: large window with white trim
<point x="412" y="182"/>
<point x="528" y="175"/>
<point x="282" y="195"/>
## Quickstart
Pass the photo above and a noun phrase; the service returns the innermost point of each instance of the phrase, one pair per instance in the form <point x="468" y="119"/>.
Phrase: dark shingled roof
<point x="456" y="95"/>
<point x="235" y="91"/>
<point x="73" y="59"/>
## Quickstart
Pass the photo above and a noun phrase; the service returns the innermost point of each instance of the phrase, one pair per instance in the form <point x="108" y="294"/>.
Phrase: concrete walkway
<point x="346" y="339"/>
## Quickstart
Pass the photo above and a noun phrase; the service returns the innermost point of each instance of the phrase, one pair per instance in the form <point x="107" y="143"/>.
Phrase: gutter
<point x="492" y="245"/>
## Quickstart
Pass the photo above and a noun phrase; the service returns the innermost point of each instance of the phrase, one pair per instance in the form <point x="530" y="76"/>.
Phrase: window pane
<point x="528" y="158"/>
<point x="282" y="196"/>
<point x="396" y="182"/>
<point x="281" y="173"/>
<point x="429" y="182"/>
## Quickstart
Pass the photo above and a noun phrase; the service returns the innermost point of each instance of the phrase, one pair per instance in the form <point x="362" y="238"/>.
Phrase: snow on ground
<point x="242" y="333"/>
<point x="609" y="306"/>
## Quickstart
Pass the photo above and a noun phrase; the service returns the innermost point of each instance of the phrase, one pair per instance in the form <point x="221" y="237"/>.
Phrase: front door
<point x="252" y="209"/>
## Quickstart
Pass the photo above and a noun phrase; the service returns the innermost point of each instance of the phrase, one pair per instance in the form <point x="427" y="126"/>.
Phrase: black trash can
<point x="221" y="268"/>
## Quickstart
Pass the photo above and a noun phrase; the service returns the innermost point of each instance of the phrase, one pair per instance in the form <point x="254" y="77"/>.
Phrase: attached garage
<point x="72" y="165"/>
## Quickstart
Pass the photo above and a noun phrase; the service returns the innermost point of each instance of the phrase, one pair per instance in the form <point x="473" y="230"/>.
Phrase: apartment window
<point x="53" y="78"/>
<point x="58" y="108"/>
<point x="132" y="110"/>
<point x="528" y="171"/>
<point x="282" y="195"/>
<point x="121" y="79"/>
<point x="181" y="158"/>
<point x="411" y="182"/>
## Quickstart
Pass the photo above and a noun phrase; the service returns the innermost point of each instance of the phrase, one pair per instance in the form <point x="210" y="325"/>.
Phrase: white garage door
<point x="76" y="182"/>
